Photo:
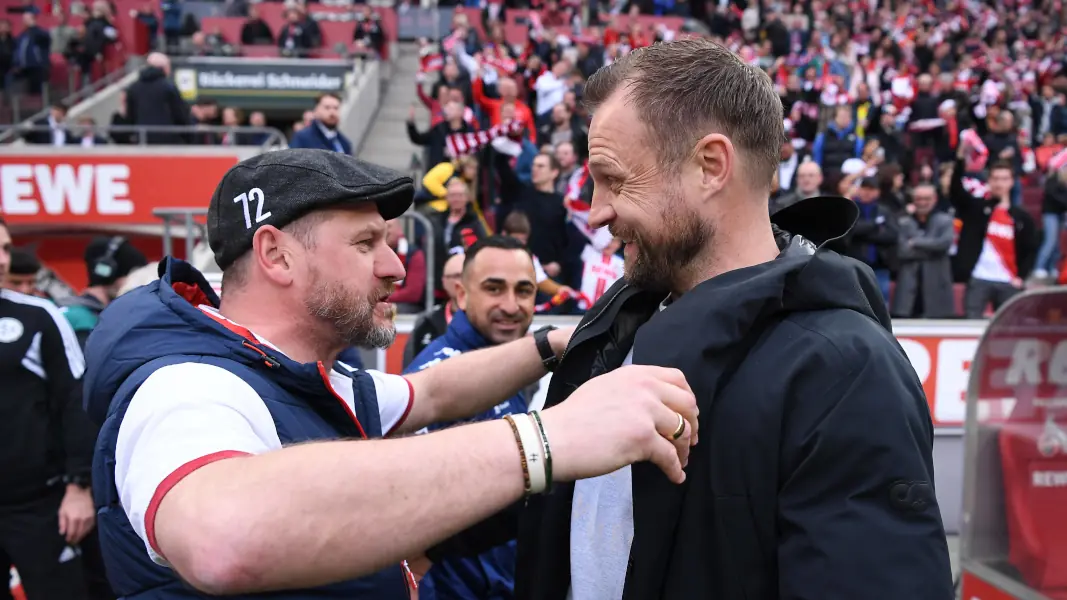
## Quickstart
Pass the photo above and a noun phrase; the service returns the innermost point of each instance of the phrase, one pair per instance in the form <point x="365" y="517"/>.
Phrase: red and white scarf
<point x="462" y="144"/>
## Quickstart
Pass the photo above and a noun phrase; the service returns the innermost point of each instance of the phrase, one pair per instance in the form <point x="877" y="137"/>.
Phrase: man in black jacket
<point x="46" y="444"/>
<point x="154" y="100"/>
<point x="813" y="475"/>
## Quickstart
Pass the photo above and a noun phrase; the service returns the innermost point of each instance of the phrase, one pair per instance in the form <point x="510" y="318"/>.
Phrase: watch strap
<point x="544" y="348"/>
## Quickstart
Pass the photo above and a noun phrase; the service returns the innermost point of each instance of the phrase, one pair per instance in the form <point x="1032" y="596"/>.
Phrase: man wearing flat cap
<point x="236" y="456"/>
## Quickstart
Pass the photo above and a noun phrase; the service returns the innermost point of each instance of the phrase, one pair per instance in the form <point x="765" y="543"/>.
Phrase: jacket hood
<point x="162" y="320"/>
<point x="151" y="74"/>
<point x="805" y="277"/>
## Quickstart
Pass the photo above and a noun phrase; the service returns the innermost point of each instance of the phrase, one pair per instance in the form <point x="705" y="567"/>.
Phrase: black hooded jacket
<point x="813" y="477"/>
<point x="154" y="100"/>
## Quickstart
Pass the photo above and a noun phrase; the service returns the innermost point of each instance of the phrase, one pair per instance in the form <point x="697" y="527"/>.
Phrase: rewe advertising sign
<point x="104" y="189"/>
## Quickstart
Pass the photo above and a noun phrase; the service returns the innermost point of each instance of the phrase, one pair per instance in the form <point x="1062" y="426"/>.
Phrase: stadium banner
<point x="940" y="352"/>
<point x="106" y="188"/>
<point x="261" y="83"/>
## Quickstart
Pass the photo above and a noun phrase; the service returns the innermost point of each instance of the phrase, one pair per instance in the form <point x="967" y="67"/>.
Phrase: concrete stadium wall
<point x="361" y="102"/>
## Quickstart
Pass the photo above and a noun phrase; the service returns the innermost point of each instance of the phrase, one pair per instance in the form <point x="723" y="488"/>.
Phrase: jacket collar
<point x="461" y="328"/>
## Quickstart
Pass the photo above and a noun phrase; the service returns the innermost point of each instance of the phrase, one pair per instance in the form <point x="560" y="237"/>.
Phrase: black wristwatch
<point x="544" y="347"/>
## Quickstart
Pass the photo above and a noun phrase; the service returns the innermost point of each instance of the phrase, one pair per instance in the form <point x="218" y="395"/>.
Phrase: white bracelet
<point x="534" y="452"/>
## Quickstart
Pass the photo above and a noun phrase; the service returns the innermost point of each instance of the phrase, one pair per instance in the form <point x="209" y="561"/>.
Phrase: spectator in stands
<point x="172" y="23"/>
<point x="120" y="118"/>
<point x="924" y="281"/>
<point x="454" y="77"/>
<point x="146" y="17"/>
<point x="50" y="130"/>
<point x="434" y="139"/>
<point x="297" y="37"/>
<point x="108" y="262"/>
<point x="568" y="166"/>
<point x="791" y="158"/>
<point x="100" y="30"/>
<point x="445" y="94"/>
<point x="77" y="54"/>
<point x="551" y="86"/>
<point x="435" y="182"/>
<point x="997" y="240"/>
<point x="86" y="134"/>
<point x="368" y="33"/>
<point x="61" y="32"/>
<point x="153" y="100"/>
<point x="542" y="204"/>
<point x="431" y="325"/>
<point x="7" y="53"/>
<point x="837" y="144"/>
<point x="323" y="132"/>
<point x="410" y="295"/>
<point x="258" y="119"/>
<point x="873" y="240"/>
<point x="455" y="229"/>
<point x="204" y="113"/>
<point x="564" y="126"/>
<point x="517" y="225"/>
<point x="234" y="117"/>
<point x="255" y="31"/>
<point x="1053" y="209"/>
<point x="22" y="278"/>
<point x="509" y="94"/>
<point x="808" y="185"/>
<point x="32" y="62"/>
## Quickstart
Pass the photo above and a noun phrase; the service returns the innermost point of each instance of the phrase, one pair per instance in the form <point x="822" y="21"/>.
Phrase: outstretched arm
<point x="474" y="381"/>
<point x="202" y="476"/>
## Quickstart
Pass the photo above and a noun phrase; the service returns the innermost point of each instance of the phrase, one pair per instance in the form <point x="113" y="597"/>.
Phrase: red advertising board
<point x="104" y="188"/>
<point x="941" y="357"/>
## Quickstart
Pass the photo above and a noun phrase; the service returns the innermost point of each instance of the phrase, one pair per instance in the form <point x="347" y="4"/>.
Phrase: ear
<point x="273" y="255"/>
<point x="715" y="156"/>
<point x="461" y="296"/>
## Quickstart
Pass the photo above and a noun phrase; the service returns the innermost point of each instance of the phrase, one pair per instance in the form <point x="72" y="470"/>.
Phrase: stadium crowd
<point x="945" y="121"/>
<point x="888" y="104"/>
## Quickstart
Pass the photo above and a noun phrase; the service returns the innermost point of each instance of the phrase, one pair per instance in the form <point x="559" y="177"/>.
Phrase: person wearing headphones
<point x="108" y="260"/>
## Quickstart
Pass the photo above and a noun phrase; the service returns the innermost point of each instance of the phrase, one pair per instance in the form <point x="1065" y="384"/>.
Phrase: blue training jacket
<point x="158" y="325"/>
<point x="491" y="575"/>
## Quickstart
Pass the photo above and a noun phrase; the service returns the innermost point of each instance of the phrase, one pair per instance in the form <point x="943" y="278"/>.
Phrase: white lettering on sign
<point x="1049" y="479"/>
<point x="255" y="195"/>
<point x="65" y="190"/>
<point x="944" y="373"/>
<point x="1027" y="358"/>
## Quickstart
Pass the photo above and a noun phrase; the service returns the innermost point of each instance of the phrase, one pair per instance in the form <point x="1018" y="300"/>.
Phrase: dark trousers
<point x="981" y="293"/>
<point x="48" y="567"/>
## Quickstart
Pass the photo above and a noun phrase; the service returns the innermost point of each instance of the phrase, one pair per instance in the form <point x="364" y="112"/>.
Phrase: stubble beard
<point x="659" y="265"/>
<point x="350" y="316"/>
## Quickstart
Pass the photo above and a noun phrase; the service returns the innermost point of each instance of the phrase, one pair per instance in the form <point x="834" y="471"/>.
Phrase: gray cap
<point x="277" y="188"/>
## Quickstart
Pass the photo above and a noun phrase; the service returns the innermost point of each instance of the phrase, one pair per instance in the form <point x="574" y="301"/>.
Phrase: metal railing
<point x="274" y="136"/>
<point x="69" y="100"/>
<point x="195" y="231"/>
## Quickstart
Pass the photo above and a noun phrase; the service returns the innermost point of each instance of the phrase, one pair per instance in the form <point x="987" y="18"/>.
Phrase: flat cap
<point x="277" y="188"/>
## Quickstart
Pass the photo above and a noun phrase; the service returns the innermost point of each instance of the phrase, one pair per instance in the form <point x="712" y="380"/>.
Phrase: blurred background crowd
<point x="906" y="107"/>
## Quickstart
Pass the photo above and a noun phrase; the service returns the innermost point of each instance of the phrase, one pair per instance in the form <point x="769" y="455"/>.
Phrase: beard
<point x="350" y="315"/>
<point x="661" y="261"/>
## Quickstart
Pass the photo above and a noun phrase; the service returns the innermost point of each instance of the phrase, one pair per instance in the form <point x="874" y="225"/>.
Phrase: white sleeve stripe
<point x="75" y="358"/>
